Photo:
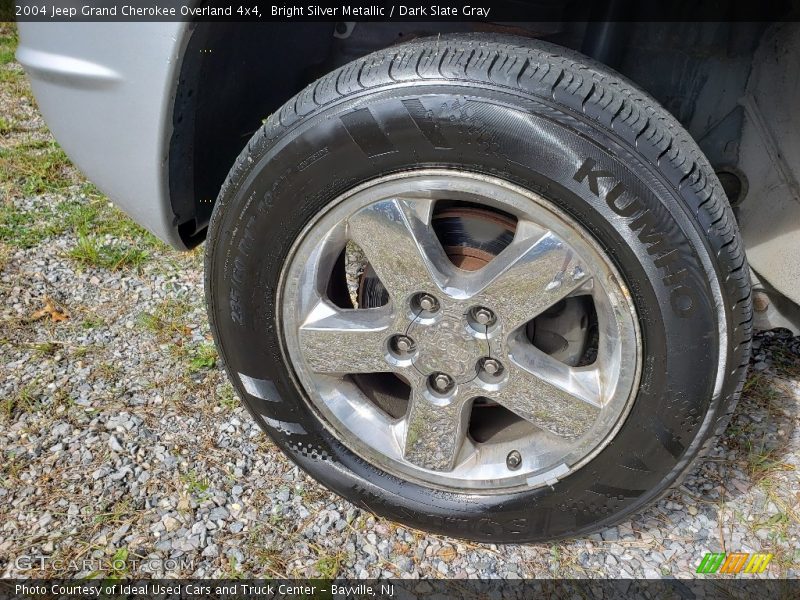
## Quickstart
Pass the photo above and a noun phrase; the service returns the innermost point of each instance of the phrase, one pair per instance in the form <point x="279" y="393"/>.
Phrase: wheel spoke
<point x="434" y="433"/>
<point x="551" y="395"/>
<point x="465" y="343"/>
<point x="401" y="246"/>
<point x="534" y="272"/>
<point x="334" y="340"/>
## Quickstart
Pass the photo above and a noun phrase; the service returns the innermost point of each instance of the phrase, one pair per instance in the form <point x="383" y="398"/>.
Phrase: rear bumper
<point x="106" y="91"/>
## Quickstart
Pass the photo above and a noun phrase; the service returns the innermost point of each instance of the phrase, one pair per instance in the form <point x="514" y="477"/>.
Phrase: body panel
<point x="106" y="91"/>
<point x="769" y="217"/>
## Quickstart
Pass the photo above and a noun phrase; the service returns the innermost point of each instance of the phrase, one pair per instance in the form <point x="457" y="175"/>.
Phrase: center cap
<point x="447" y="346"/>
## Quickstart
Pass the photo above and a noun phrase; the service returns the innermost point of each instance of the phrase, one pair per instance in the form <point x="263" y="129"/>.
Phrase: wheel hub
<point x="449" y="345"/>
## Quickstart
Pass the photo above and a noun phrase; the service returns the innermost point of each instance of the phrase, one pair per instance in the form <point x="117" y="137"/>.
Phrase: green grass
<point x="119" y="568"/>
<point x="9" y="39"/>
<point x="197" y="486"/>
<point x="20" y="229"/>
<point x="26" y="399"/>
<point x="91" y="221"/>
<point x="30" y="167"/>
<point x="227" y="398"/>
<point x="328" y="565"/>
<point x="93" y="322"/>
<point x="233" y="571"/>
<point x="202" y="357"/>
<point x="113" y="512"/>
<point x="168" y="320"/>
<point x="93" y="251"/>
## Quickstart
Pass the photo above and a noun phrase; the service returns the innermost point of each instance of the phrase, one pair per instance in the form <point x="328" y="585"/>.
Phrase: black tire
<point x="543" y="118"/>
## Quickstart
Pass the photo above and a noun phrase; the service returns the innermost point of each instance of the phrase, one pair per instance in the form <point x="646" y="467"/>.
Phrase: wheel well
<point x="234" y="75"/>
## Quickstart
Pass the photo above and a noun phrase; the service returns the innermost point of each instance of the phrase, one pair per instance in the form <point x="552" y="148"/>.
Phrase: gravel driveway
<point x="121" y="438"/>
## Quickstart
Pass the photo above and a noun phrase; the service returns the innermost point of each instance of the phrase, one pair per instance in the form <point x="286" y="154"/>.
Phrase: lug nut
<point x="401" y="345"/>
<point x="483" y="316"/>
<point x="427" y="303"/>
<point x="513" y="460"/>
<point x="492" y="366"/>
<point x="441" y="382"/>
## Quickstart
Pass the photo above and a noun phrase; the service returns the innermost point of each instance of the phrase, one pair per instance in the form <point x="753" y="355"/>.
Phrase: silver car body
<point x="106" y="91"/>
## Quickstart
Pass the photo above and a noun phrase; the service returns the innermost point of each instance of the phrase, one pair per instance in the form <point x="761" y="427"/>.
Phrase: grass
<point x="31" y="167"/>
<point x="168" y="320"/>
<point x="328" y="565"/>
<point x="227" y="398"/>
<point x="233" y="571"/>
<point x="763" y="457"/>
<point x="11" y="468"/>
<point x="26" y="399"/>
<point x="12" y="78"/>
<point x="8" y="43"/>
<point x="168" y="324"/>
<point x="23" y="230"/>
<point x="196" y="486"/>
<point x="202" y="357"/>
<point x="93" y="322"/>
<point x="94" y="251"/>
<point x="105" y="237"/>
<point x="118" y="566"/>
<point x="114" y="513"/>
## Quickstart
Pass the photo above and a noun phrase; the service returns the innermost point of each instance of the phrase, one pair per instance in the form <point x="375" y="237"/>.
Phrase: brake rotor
<point x="471" y="238"/>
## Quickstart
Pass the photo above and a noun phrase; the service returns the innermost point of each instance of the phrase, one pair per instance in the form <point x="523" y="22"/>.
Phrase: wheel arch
<point x="234" y="75"/>
<point x="230" y="80"/>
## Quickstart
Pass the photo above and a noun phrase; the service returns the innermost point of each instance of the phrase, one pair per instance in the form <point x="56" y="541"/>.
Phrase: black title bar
<point x="490" y="11"/>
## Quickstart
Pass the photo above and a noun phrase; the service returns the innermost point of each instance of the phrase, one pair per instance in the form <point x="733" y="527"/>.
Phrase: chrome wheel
<point x="504" y="355"/>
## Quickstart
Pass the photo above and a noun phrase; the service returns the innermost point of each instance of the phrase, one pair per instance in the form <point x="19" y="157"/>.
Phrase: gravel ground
<point x="121" y="438"/>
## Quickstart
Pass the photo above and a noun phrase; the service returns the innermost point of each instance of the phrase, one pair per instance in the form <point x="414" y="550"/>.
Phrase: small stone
<point x="113" y="442"/>
<point x="220" y="513"/>
<point x="170" y="523"/>
<point x="44" y="520"/>
<point x="236" y="527"/>
<point x="610" y="535"/>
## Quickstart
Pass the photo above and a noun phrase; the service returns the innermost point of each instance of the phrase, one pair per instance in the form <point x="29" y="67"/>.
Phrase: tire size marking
<point x="642" y="222"/>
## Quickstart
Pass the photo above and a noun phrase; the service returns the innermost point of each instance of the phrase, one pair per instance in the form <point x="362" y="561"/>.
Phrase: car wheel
<point x="483" y="287"/>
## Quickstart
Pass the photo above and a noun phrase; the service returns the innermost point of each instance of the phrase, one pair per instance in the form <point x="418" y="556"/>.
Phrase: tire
<point x="542" y="119"/>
